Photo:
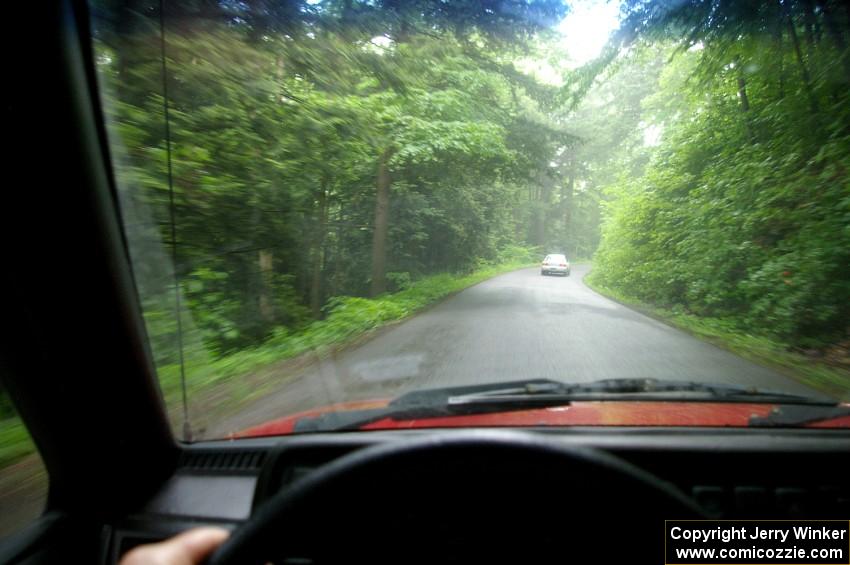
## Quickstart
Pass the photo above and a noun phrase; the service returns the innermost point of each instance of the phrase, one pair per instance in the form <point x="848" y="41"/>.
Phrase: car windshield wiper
<point x="548" y="392"/>
<point x="541" y="393"/>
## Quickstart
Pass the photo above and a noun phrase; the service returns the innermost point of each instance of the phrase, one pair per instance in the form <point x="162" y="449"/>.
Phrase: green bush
<point x="15" y="441"/>
<point x="758" y="235"/>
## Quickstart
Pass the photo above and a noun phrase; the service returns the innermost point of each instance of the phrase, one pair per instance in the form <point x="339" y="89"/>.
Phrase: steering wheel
<point x="464" y="497"/>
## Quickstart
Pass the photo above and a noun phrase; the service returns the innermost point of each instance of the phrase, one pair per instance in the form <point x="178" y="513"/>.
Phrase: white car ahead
<point x="556" y="264"/>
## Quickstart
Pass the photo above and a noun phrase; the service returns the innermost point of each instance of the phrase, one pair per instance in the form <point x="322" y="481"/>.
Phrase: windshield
<point x="331" y="206"/>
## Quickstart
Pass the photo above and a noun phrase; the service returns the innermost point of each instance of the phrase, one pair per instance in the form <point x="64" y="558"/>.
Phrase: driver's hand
<point x="189" y="548"/>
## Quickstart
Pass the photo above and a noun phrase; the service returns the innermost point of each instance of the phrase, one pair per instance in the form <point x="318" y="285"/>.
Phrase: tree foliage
<point x="744" y="210"/>
<point x="318" y="150"/>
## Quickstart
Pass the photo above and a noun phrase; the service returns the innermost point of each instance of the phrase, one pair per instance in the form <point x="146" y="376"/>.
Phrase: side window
<point x="23" y="479"/>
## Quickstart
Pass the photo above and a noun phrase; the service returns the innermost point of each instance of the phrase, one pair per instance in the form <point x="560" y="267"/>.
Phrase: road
<point x="516" y="326"/>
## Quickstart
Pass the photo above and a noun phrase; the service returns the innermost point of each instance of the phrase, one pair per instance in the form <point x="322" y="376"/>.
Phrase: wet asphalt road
<point x="516" y="326"/>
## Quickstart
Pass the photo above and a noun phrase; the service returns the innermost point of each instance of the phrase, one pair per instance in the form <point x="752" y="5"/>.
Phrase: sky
<point x="587" y="27"/>
<point x="584" y="32"/>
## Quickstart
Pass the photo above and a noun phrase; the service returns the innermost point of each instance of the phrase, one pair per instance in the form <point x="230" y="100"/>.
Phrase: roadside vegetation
<point x="828" y="372"/>
<point x="348" y="319"/>
<point x="15" y="441"/>
<point x="738" y="226"/>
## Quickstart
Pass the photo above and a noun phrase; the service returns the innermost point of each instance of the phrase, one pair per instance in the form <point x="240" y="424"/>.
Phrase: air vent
<point x="230" y="460"/>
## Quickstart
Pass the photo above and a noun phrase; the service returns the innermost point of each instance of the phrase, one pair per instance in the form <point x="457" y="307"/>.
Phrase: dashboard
<point x="730" y="473"/>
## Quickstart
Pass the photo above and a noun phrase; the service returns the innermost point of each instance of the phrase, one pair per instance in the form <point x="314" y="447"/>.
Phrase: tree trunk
<point x="837" y="37"/>
<point x="809" y="29"/>
<point x="540" y="232"/>
<point x="333" y="249"/>
<point x="544" y="197"/>
<point x="804" y="72"/>
<point x="846" y="15"/>
<point x="266" y="262"/>
<point x="318" y="258"/>
<point x="568" y="208"/>
<point x="780" y="67"/>
<point x="379" y="236"/>
<point x="742" y="94"/>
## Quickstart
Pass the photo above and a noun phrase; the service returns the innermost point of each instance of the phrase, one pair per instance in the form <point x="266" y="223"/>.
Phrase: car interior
<point x="118" y="477"/>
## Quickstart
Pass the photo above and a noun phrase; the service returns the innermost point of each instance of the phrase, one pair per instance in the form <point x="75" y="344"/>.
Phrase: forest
<point x="316" y="155"/>
<point x="292" y="173"/>
<point x="742" y="212"/>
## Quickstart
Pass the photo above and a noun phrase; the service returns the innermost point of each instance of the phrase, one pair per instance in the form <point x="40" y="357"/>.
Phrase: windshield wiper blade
<point x="540" y="393"/>
<point x="551" y="392"/>
<point x="428" y="403"/>
<point x="799" y="415"/>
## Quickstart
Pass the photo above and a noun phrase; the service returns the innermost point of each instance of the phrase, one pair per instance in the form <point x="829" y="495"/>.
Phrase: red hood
<point x="597" y="413"/>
